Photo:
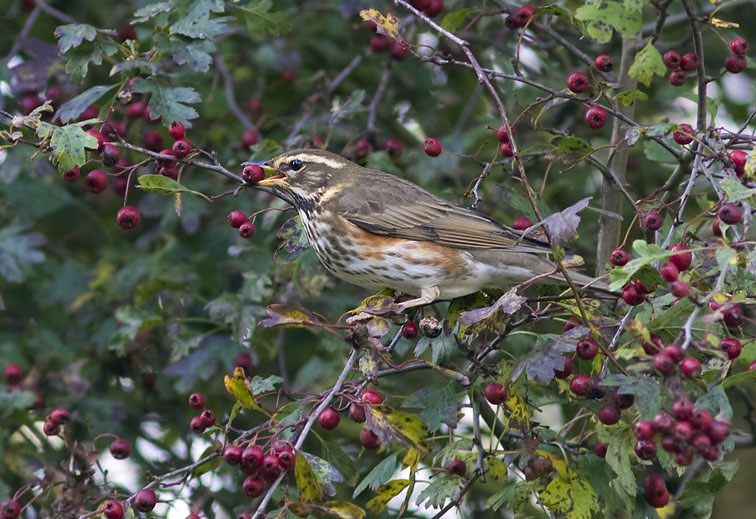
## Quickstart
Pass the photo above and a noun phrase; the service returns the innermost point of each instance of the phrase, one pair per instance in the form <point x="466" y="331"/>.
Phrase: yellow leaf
<point x="386" y="493"/>
<point x="571" y="497"/>
<point x="559" y="464"/>
<point x="344" y="510"/>
<point x="177" y="204"/>
<point x="497" y="469"/>
<point x="408" y="428"/>
<point x="388" y="24"/>
<point x="307" y="482"/>
<point x="377" y="304"/>
<point x="722" y="24"/>
<point x="750" y="166"/>
<point x="237" y="386"/>
<point x="300" y="509"/>
<point x="667" y="511"/>
<point x="411" y="459"/>
<point x="519" y="416"/>
<point x="281" y="315"/>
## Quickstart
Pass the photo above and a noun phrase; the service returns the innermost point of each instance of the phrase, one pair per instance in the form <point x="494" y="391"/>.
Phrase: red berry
<point x="523" y="15"/>
<point x="732" y="347"/>
<point x="10" y="509"/>
<point x="128" y="217"/>
<point x="457" y="467"/>
<point x="735" y="64"/>
<point x="645" y="449"/>
<point x="682" y="409"/>
<point x="570" y="323"/>
<point x="246" y="230"/>
<point x="600" y="448"/>
<point x="680" y="289"/>
<point x="521" y="223"/>
<point x="271" y="466"/>
<point x="503" y="135"/>
<point x="672" y="59"/>
<point x="716" y="230"/>
<point x="603" y="63"/>
<point x="689" y="62"/>
<point x="233" y="454"/>
<point x="669" y="272"/>
<point x="136" y="110"/>
<point x="700" y="419"/>
<point x="72" y="175"/>
<point x="287" y="459"/>
<point x="357" y="412"/>
<point x="684" y="134"/>
<point x="208" y="417"/>
<point x="495" y="393"/>
<point x="29" y="102"/>
<point x="253" y="105"/>
<point x="100" y="139"/>
<point x="652" y="220"/>
<point x="739" y="158"/>
<point x="619" y="257"/>
<point x="678" y="78"/>
<point x="432" y="147"/>
<point x="289" y="75"/>
<point x="96" y="181"/>
<point x="690" y="367"/>
<point x="713" y="453"/>
<point x="587" y="349"/>
<point x="683" y="258"/>
<point x="655" y="490"/>
<point x="683" y="431"/>
<point x="197" y="400"/>
<point x="394" y="147"/>
<point x="506" y="149"/>
<point x="434" y="8"/>
<point x="580" y="385"/>
<point x="59" y="416"/>
<point x="631" y="296"/>
<point x="145" y="500"/>
<point x="13" y="374"/>
<point x="664" y="363"/>
<point x="700" y="443"/>
<point x="120" y="448"/>
<point x="177" y="130"/>
<point x="329" y="419"/>
<point x="566" y="370"/>
<point x="27" y="5"/>
<point x="410" y="330"/>
<point x="379" y="43"/>
<point x="733" y="316"/>
<point x="675" y="352"/>
<point x="127" y="32"/>
<point x="595" y="117"/>
<point x="250" y="138"/>
<point x="112" y="509"/>
<point x="244" y="361"/>
<point x="371" y="397"/>
<point x="399" y="50"/>
<point x="662" y="423"/>
<point x="669" y="443"/>
<point x="50" y="428"/>
<point x="110" y="154"/>
<point x="578" y="82"/>
<point x="253" y="486"/>
<point x="739" y="46"/>
<point x="153" y="140"/>
<point x="643" y="430"/>
<point x="181" y="148"/>
<point x="718" y="431"/>
<point x="252" y="458"/>
<point x="252" y="174"/>
<point x="363" y="147"/>
<point x="609" y="414"/>
<point x="684" y="457"/>
<point x="197" y="425"/>
<point x="420" y="5"/>
<point x="368" y="439"/>
<point x="237" y="218"/>
<point x="730" y="213"/>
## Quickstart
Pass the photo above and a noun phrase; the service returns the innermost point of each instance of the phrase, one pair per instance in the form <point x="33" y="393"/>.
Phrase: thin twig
<point x="229" y="88"/>
<point x="373" y="108"/>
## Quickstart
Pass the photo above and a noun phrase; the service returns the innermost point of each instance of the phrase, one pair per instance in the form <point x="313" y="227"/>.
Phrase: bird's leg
<point x="427" y="295"/>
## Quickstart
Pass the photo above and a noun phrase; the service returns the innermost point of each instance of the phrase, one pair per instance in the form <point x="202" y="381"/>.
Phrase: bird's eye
<point x="296" y="165"/>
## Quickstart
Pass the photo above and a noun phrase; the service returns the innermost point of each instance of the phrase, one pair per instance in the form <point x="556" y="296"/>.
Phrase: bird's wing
<point x="411" y="212"/>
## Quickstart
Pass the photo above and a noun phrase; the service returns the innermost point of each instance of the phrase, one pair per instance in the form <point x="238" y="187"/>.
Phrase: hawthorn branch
<point x="699" y="47"/>
<point x="229" y="88"/>
<point x="377" y="98"/>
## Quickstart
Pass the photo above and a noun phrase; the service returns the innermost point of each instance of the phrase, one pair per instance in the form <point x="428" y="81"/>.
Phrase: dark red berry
<point x="287" y="459"/>
<point x="570" y="323"/>
<point x="197" y="425"/>
<point x="29" y="102"/>
<point x="680" y="289"/>
<point x="643" y="430"/>
<point x="495" y="393"/>
<point x="410" y="329"/>
<point x="713" y="453"/>
<point x="739" y="46"/>
<point x="197" y="400"/>
<point x="177" y="130"/>
<point x="112" y="509"/>
<point x="716" y="229"/>
<point x="252" y="457"/>
<point x="233" y="454"/>
<point x="567" y="368"/>
<point x="59" y="416"/>
<point x="596" y="391"/>
<point x="675" y="352"/>
<point x="72" y="175"/>
<point x="683" y="258"/>
<point x="153" y="140"/>
<point x="682" y="409"/>
<point x="457" y="467"/>
<point x="683" y="431"/>
<point x="432" y="147"/>
<point x="208" y="417"/>
<point x="669" y="272"/>
<point x="619" y="257"/>
<point x="379" y="43"/>
<point x="10" y="509"/>
<point x="136" y="110"/>
<point x="678" y="78"/>
<point x="700" y="443"/>
<point x="145" y="500"/>
<point x="244" y="361"/>
<point x="631" y="296"/>
<point x="250" y="138"/>
<point x="253" y="105"/>
<point x="733" y="316"/>
<point x="521" y="223"/>
<point x="580" y="385"/>
<point x="730" y="213"/>
<point x="684" y="134"/>
<point x="595" y="117"/>
<point x="506" y="149"/>
<point x="13" y="374"/>
<point x="252" y="174"/>
<point x="609" y="414"/>
<point x="684" y="457"/>
<point x="672" y="59"/>
<point x="120" y="448"/>
<point x="689" y="62"/>
<point x="624" y="400"/>
<point x="664" y="363"/>
<point x="669" y="443"/>
<point x="371" y="397"/>
<point x="578" y="82"/>
<point x="237" y="218"/>
<point x="329" y="419"/>
<point x="600" y="448"/>
<point x="289" y="75"/>
<point x="101" y="140"/>
<point x="357" y="412"/>
<point x="603" y="63"/>
<point x="96" y="181"/>
<point x="662" y="423"/>
<point x="718" y="431"/>
<point x="690" y="367"/>
<point x="271" y="466"/>
<point x="653" y="220"/>
<point x="50" y="428"/>
<point x="732" y="347"/>
<point x="735" y="64"/>
<point x="181" y="148"/>
<point x="394" y="147"/>
<point x="645" y="449"/>
<point x="253" y="486"/>
<point x="399" y="50"/>
<point x="434" y="8"/>
<point x="368" y="439"/>
<point x="587" y="349"/>
<point x="128" y="217"/>
<point x="523" y="15"/>
<point x="700" y="419"/>
<point x="246" y="230"/>
<point x="739" y="158"/>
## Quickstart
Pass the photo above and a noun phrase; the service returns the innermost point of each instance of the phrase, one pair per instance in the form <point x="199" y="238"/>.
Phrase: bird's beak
<point x="274" y="179"/>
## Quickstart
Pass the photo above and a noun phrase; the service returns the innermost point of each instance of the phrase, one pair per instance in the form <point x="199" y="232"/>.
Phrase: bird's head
<point x="305" y="174"/>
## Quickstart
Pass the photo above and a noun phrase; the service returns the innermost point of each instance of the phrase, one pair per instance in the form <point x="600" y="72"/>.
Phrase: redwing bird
<point x="376" y="230"/>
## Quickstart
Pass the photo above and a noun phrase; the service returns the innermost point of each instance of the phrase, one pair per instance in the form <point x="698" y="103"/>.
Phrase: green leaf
<point x="165" y="186"/>
<point x="735" y="190"/>
<point x="340" y="460"/>
<point x="571" y="148"/>
<point x="195" y="55"/>
<point x="646" y="390"/>
<point x="439" y="404"/>
<point x="18" y="249"/>
<point x="380" y="474"/>
<point x="657" y="153"/>
<point x="647" y="63"/>
<point x="628" y="97"/>
<point x="744" y="377"/>
<point x="454" y="20"/>
<point x="441" y="489"/>
<point x="69" y="145"/>
<point x="647" y="253"/>
<point x="152" y="10"/>
<point x="195" y="21"/>
<point x="263" y="385"/>
<point x="170" y="103"/>
<point x="79" y="59"/>
<point x="634" y="5"/>
<point x="71" y="36"/>
<point x="712" y="103"/>
<point x="716" y="402"/>
<point x="558" y="10"/>
<point x="260" y="19"/>
<point x="72" y="109"/>
<point x="600" y="20"/>
<point x="516" y="496"/>
<point x="620" y="456"/>
<point x="13" y="400"/>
